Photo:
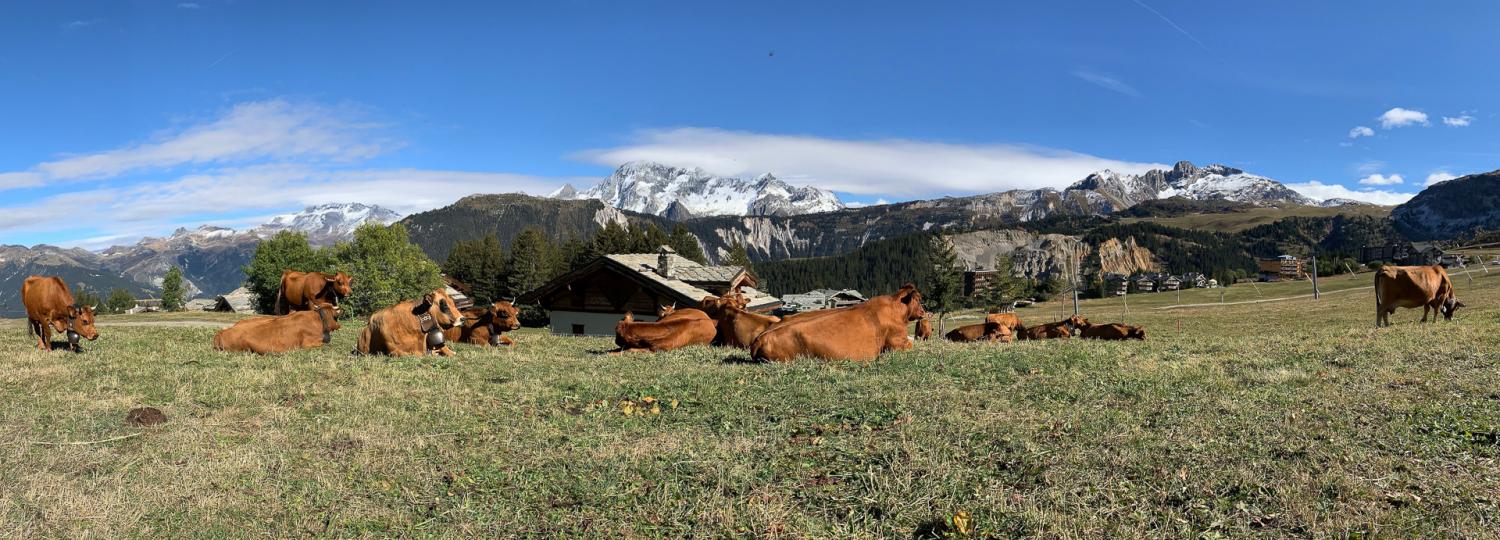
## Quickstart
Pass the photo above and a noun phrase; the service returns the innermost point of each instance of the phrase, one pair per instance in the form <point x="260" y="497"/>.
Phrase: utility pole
<point x="1315" y="275"/>
<point x="1075" y="283"/>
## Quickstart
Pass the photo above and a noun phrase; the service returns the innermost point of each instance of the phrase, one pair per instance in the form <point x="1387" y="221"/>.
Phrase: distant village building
<point x="199" y="304"/>
<point x="145" y="305"/>
<point x="976" y="282"/>
<point x="236" y="301"/>
<point x="1283" y="267"/>
<point x="1169" y="283"/>
<point x="1116" y="284"/>
<point x="821" y="299"/>
<point x="1402" y="253"/>
<point x="591" y="300"/>
<point x="1145" y="283"/>
<point x="1195" y="280"/>
<point x="458" y="291"/>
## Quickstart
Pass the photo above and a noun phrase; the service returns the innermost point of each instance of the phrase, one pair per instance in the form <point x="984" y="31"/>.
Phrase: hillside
<point x="79" y="268"/>
<point x="1452" y="208"/>
<point x="1235" y="217"/>
<point x="505" y="215"/>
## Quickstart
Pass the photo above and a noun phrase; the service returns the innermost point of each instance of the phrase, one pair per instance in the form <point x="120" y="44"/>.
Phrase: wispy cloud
<point x="188" y="5"/>
<point x="1381" y="180"/>
<point x="1169" y="22"/>
<point x="1361" y="131"/>
<point x="1369" y="166"/>
<point x="1399" y="117"/>
<point x="878" y="167"/>
<point x="1320" y="191"/>
<point x="275" y="129"/>
<point x="1106" y="82"/>
<point x="80" y="24"/>
<point x="1459" y="121"/>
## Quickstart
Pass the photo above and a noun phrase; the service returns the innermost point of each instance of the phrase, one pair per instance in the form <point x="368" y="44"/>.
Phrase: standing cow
<point x="859" y="332"/>
<point x="300" y="291"/>
<point x="924" y="329"/>
<point x="410" y="328"/>
<point x="281" y="333"/>
<point x="1427" y="287"/>
<point x="50" y="305"/>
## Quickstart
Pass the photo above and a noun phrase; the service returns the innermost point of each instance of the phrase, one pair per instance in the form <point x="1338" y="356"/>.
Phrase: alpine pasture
<point x="1253" y="418"/>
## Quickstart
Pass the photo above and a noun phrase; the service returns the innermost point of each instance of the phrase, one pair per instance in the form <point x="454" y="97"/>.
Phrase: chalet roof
<point x="687" y="275"/>
<point x="238" y="301"/>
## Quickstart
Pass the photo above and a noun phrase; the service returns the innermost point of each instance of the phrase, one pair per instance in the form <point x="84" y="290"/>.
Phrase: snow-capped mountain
<point x="328" y="223"/>
<point x="1188" y="181"/>
<point x="681" y="193"/>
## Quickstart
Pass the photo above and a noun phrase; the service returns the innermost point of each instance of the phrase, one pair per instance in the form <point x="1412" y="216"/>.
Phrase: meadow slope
<point x="1291" y="418"/>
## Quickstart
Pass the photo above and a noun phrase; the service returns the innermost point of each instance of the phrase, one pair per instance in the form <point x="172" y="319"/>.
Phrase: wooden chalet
<point x="591" y="300"/>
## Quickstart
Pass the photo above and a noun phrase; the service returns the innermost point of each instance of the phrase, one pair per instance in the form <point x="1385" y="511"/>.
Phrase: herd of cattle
<point x="307" y="309"/>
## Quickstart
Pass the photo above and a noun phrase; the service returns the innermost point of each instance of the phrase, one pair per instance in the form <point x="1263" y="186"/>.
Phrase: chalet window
<point x="577" y="329"/>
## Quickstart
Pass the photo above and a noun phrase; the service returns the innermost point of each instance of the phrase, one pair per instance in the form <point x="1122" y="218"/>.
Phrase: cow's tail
<point x="1379" y="299"/>
<point x="280" y="308"/>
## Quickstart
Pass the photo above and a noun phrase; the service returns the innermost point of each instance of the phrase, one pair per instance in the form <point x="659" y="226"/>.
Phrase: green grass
<point x="1294" y="418"/>
<point x="1239" y="221"/>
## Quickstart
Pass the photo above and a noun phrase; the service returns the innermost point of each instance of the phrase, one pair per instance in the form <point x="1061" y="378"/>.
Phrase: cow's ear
<point x="73" y="311"/>
<point x="629" y="317"/>
<point x="429" y="298"/>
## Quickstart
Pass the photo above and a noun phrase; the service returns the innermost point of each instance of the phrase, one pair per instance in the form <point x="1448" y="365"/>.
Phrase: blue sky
<point x="125" y="119"/>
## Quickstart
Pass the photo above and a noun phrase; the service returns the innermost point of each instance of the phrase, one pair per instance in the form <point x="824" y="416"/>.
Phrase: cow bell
<point x="73" y="338"/>
<point x="435" y="338"/>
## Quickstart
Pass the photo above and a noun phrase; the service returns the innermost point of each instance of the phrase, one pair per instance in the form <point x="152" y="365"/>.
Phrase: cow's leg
<point x="445" y="351"/>
<point x="45" y="331"/>
<point x="505" y="340"/>
<point x="41" y="339"/>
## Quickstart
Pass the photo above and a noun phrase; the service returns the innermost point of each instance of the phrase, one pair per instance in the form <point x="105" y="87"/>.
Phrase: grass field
<point x="1290" y="418"/>
<point x="1239" y="221"/>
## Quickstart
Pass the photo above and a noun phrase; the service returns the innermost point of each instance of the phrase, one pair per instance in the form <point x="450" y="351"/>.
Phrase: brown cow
<point x="1427" y="287"/>
<point x="1113" y="332"/>
<point x="738" y="328"/>
<point x="485" y="325"/>
<point x="924" y="329"/>
<point x="665" y="313"/>
<point x="301" y="290"/>
<point x="1058" y="330"/>
<point x="1010" y="320"/>
<point x="50" y="306"/>
<point x="281" y="333"/>
<point x="632" y="336"/>
<point x="412" y="327"/>
<point x="859" y="332"/>
<point x="988" y="331"/>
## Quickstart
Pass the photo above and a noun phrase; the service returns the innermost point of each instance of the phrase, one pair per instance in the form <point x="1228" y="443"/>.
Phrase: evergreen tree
<point x="531" y="262"/>
<point x="387" y="268"/>
<point x="118" y="301"/>
<point x="577" y="253"/>
<point x="941" y="285"/>
<point x="1003" y="288"/>
<point x="612" y="239"/>
<point x="86" y="297"/>
<point x="479" y="264"/>
<point x="738" y="256"/>
<point x="171" y="290"/>
<point x="648" y="239"/>
<point x="686" y="244"/>
<point x="286" y="250"/>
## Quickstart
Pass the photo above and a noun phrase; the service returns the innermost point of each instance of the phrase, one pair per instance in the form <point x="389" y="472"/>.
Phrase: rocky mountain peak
<point x="678" y="193"/>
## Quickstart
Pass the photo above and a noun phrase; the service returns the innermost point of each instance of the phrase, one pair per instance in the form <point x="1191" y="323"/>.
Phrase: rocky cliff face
<point x="1125" y="257"/>
<point x="1029" y="254"/>
<point x="1451" y="208"/>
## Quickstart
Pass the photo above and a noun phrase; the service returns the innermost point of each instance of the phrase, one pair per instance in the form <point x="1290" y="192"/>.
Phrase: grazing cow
<point x="281" y="333"/>
<point x="485" y="325"/>
<point x="1009" y="320"/>
<point x="1427" y="287"/>
<point x="50" y="306"/>
<point x="301" y="290"/>
<point x="859" y="332"/>
<point x="412" y="327"/>
<point x="1058" y="330"/>
<point x="924" y="329"/>
<point x="988" y="331"/>
<point x="1113" y="332"/>
<point x="632" y="336"/>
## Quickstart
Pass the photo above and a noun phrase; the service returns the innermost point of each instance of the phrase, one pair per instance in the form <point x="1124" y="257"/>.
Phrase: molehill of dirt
<point x="145" y="416"/>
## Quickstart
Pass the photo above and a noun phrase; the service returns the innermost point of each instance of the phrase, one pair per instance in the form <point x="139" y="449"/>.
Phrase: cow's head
<point x="329" y="314"/>
<point x="1136" y="332"/>
<point x="442" y="309"/>
<point x="1450" y="306"/>
<point x="737" y="300"/>
<point x="664" y="310"/>
<point x="1076" y="324"/>
<point x="506" y="316"/>
<point x="81" y="322"/>
<point x="912" y="299"/>
<point x="342" y="285"/>
<point x="994" y="330"/>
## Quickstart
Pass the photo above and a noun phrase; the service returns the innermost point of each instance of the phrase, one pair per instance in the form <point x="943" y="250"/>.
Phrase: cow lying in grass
<point x="859" y="332"/>
<point x="985" y="331"/>
<point x="1113" y="332"/>
<point x="1063" y="329"/>
<point x="734" y="325"/>
<point x="413" y="327"/>
<point x="486" y="325"/>
<point x="663" y="335"/>
<point x="1009" y="320"/>
<point x="277" y="334"/>
<point x="669" y="312"/>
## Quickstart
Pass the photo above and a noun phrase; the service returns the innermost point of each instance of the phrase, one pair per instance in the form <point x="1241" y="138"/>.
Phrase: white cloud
<point x="188" y="5"/>
<point x="1106" y="82"/>
<point x="19" y="180"/>
<point x="1438" y="176"/>
<point x="80" y="24"/>
<point x="1361" y="131"/>
<point x="883" y="167"/>
<point x="1381" y="180"/>
<point x="1366" y="167"/>
<point x="1461" y="121"/>
<point x="1399" y="117"/>
<point x="1321" y="191"/>
<point x="275" y="129"/>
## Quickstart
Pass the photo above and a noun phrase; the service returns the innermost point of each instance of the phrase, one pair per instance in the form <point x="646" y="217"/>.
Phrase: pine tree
<point x="738" y="256"/>
<point x="531" y="262"/>
<point x="1002" y="288"/>
<point x="941" y="286"/>
<point x="481" y="265"/>
<point x="686" y="244"/>
<point x="171" y="290"/>
<point x="577" y="253"/>
<point x="612" y="239"/>
<point x="119" y="301"/>
<point x="387" y="268"/>
<point x="286" y="250"/>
